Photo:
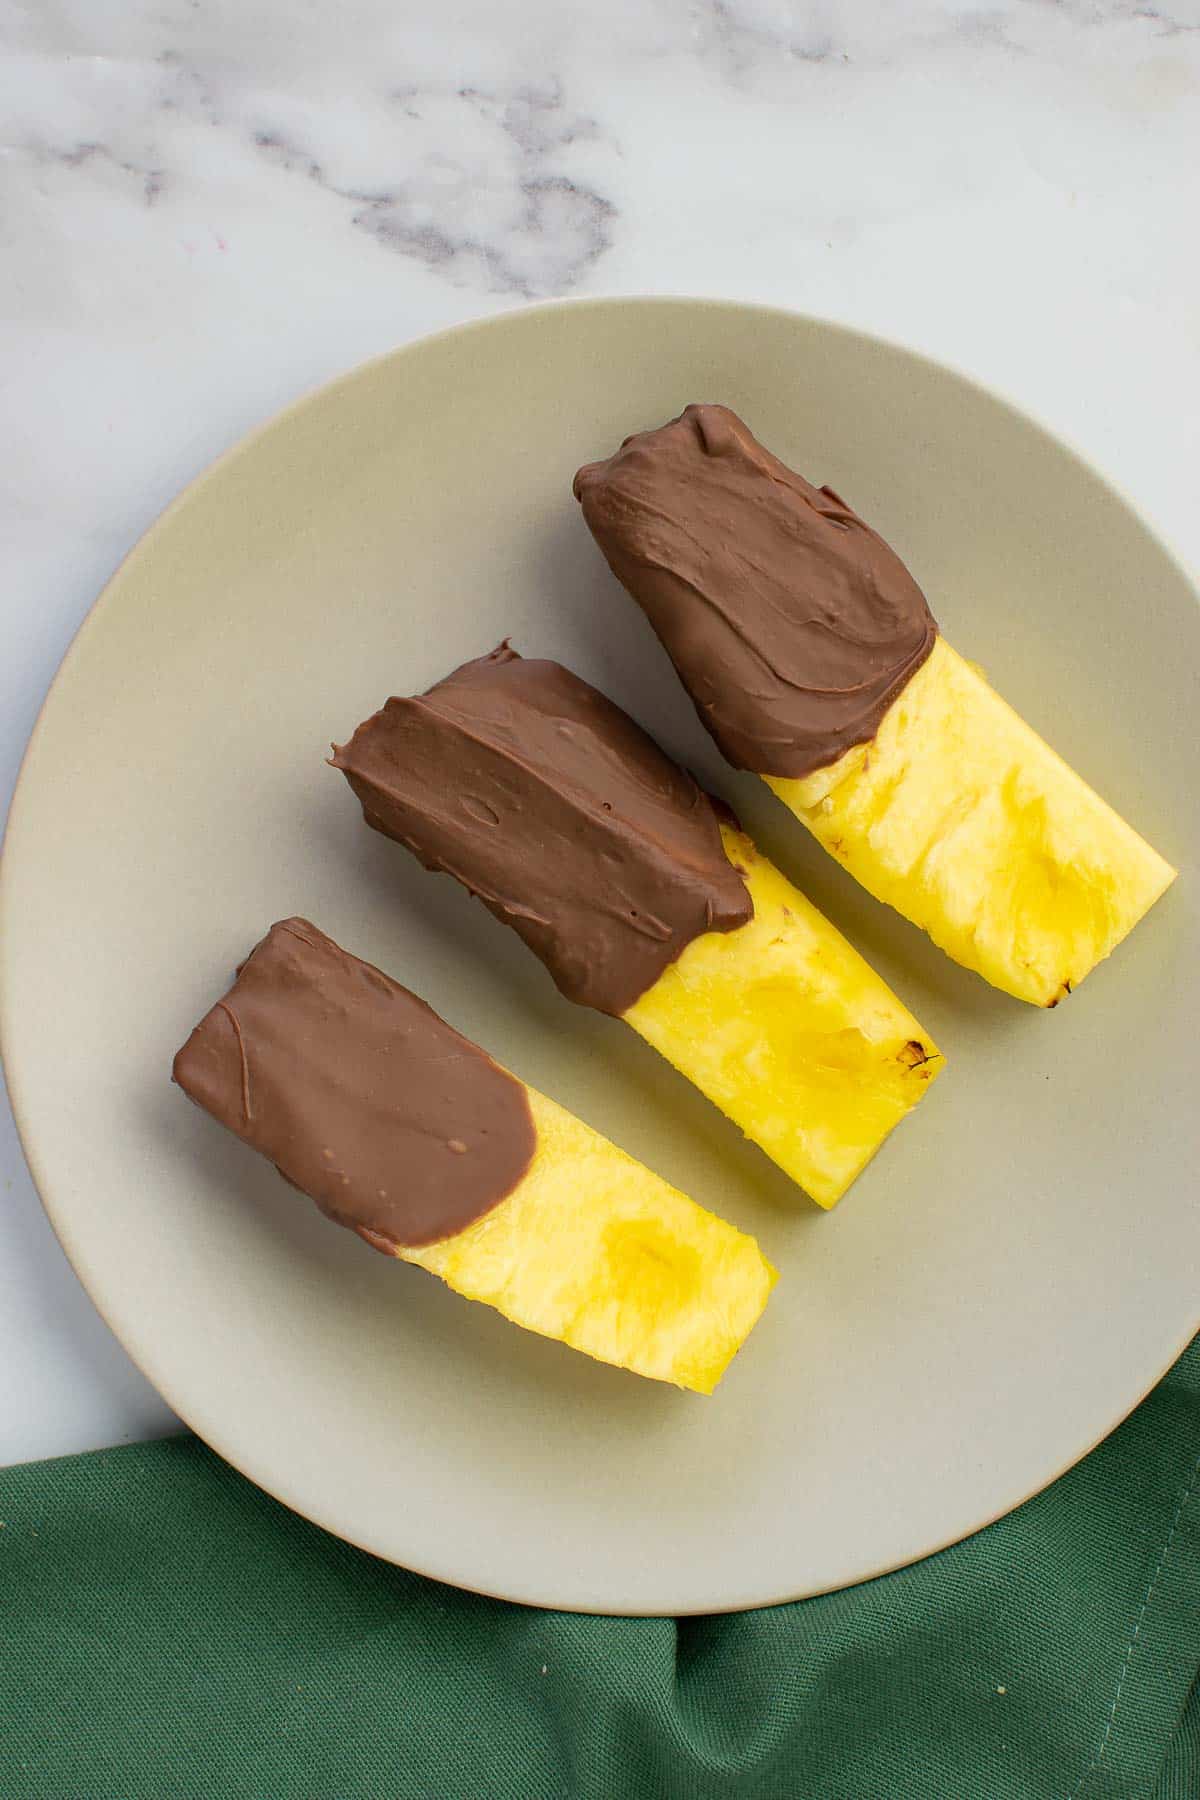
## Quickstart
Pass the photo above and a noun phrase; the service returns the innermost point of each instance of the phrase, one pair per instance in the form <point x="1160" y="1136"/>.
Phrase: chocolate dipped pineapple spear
<point x="407" y="1133"/>
<point x="572" y="826"/>
<point x="813" y="659"/>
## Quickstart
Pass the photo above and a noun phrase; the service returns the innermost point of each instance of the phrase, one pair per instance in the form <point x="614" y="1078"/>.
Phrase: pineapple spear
<point x="407" y="1133"/>
<point x="573" y="827"/>
<point x="813" y="659"/>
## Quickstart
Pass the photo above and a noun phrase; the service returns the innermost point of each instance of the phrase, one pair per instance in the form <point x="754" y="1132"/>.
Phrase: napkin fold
<point x="167" y="1632"/>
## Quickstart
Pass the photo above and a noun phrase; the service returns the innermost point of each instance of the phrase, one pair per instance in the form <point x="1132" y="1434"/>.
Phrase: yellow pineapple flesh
<point x="593" y="1248"/>
<point x="791" y="1033"/>
<point x="963" y="819"/>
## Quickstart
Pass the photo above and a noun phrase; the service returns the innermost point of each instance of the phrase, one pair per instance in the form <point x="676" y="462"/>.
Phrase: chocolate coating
<point x="791" y="623"/>
<point x="360" y="1095"/>
<point x="550" y="804"/>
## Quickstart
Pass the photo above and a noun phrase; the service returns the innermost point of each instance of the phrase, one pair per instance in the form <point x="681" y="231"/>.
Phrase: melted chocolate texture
<point x="550" y="804"/>
<point x="791" y="623"/>
<point x="359" y="1093"/>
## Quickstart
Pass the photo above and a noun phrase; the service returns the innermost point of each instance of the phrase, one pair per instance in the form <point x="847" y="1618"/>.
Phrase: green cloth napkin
<point x="168" y="1632"/>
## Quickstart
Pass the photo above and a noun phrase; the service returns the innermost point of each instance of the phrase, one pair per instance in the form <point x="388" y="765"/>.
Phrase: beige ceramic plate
<point x="1009" y="1277"/>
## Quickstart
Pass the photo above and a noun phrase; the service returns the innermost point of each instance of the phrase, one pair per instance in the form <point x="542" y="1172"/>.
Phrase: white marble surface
<point x="208" y="206"/>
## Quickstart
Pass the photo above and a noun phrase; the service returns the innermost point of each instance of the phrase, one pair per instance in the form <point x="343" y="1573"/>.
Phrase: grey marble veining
<point x="503" y="218"/>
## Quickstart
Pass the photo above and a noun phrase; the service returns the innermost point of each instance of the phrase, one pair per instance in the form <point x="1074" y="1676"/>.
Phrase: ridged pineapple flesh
<point x="594" y="1249"/>
<point x="791" y="1033"/>
<point x="960" y="816"/>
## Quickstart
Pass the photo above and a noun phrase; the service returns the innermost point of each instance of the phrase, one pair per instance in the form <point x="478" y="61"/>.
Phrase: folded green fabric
<point x="168" y="1632"/>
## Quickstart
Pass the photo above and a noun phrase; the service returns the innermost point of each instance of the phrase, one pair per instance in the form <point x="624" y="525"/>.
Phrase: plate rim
<point x="58" y="1217"/>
